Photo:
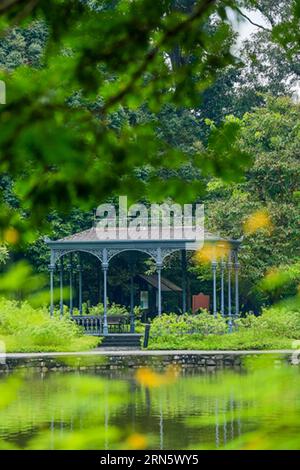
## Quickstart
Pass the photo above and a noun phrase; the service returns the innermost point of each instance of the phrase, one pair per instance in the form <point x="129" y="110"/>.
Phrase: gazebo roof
<point x="155" y="245"/>
<point x="91" y="235"/>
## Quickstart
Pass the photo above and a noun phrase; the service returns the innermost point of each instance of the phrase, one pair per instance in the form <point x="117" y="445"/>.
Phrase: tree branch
<point x="197" y="13"/>
<point x="30" y="5"/>
<point x="252" y="22"/>
<point x="7" y="4"/>
<point x="20" y="15"/>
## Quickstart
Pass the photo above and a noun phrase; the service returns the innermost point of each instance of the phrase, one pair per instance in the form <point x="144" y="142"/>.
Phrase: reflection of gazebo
<point x="158" y="249"/>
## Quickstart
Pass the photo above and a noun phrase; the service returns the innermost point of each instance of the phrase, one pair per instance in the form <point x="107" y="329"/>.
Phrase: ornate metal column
<point x="51" y="270"/>
<point x="214" y="270"/>
<point x="158" y="267"/>
<point x="132" y="326"/>
<point x="105" y="269"/>
<point x="159" y="264"/>
<point x="222" y="268"/>
<point x="131" y="267"/>
<point x="61" y="286"/>
<point x="79" y="267"/>
<point x="236" y="276"/>
<point x="229" y="291"/>
<point x="70" y="268"/>
<point x="183" y="267"/>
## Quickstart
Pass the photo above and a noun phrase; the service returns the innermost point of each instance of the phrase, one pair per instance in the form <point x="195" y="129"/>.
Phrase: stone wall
<point x="118" y="361"/>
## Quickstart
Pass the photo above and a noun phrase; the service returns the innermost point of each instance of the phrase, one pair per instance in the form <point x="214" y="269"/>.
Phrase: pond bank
<point x="131" y="359"/>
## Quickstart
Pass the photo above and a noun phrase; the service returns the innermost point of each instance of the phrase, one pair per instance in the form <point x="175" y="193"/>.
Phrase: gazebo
<point x="88" y="241"/>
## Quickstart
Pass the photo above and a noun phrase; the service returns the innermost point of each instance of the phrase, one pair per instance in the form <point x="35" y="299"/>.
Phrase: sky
<point x="244" y="27"/>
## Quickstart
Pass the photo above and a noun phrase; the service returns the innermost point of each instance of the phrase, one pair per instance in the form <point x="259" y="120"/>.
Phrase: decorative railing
<point x="93" y="324"/>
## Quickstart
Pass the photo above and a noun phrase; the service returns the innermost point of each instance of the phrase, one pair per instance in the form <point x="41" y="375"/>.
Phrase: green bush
<point x="245" y="340"/>
<point x="276" y="328"/>
<point x="276" y="321"/>
<point x="176" y="325"/>
<point x="112" y="309"/>
<point x="24" y="328"/>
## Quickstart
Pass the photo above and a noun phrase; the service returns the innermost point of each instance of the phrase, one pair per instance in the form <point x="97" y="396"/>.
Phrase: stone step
<point x="117" y="340"/>
<point x="123" y="345"/>
<point x="130" y="343"/>
<point x="130" y="340"/>
<point x="121" y="341"/>
<point x="123" y="335"/>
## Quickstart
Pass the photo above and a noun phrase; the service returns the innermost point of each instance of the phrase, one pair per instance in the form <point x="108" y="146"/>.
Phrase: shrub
<point x="202" y="324"/>
<point x="113" y="309"/>
<point x="276" y="328"/>
<point x="236" y="341"/>
<point x="279" y="321"/>
<point x="24" y="328"/>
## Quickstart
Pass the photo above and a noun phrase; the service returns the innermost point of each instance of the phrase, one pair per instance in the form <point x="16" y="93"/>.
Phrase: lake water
<point x="256" y="407"/>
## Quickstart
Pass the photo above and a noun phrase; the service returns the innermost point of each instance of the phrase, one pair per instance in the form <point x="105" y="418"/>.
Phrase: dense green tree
<point x="132" y="97"/>
<point x="267" y="63"/>
<point x="23" y="46"/>
<point x="270" y="194"/>
<point x="60" y="155"/>
<point x="271" y="63"/>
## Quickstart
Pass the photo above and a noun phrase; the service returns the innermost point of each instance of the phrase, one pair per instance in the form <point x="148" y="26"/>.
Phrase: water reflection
<point x="117" y="410"/>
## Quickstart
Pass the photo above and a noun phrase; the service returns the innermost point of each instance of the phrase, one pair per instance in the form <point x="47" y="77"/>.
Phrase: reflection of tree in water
<point x="80" y="411"/>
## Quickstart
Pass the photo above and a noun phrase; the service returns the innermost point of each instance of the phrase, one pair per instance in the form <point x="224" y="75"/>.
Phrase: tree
<point x="23" y="46"/>
<point x="268" y="198"/>
<point x="271" y="55"/>
<point x="267" y="63"/>
<point x="61" y="155"/>
<point x="118" y="103"/>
